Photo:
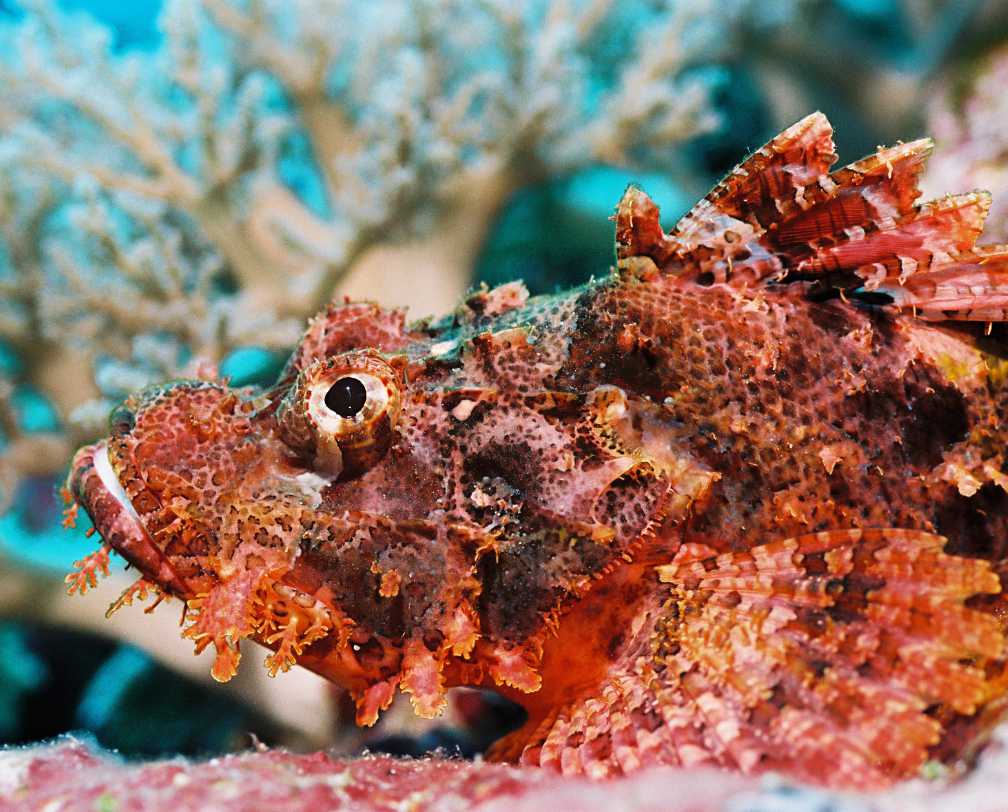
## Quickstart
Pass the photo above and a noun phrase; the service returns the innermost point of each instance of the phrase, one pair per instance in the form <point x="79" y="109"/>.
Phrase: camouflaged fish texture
<point x="741" y="502"/>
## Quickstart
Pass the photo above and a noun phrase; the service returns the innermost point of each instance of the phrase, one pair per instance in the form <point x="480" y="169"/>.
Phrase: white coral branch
<point x="166" y="209"/>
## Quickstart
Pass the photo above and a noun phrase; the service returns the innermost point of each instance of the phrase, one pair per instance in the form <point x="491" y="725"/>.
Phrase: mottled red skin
<point x="684" y="515"/>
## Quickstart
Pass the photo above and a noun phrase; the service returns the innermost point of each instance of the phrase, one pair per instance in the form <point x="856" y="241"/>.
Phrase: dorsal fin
<point x="973" y="287"/>
<point x="761" y="190"/>
<point x="875" y="191"/>
<point x="779" y="215"/>
<point x="719" y="234"/>
<point x="638" y="230"/>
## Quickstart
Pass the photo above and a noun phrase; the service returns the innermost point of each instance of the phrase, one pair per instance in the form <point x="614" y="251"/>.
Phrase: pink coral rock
<point x="69" y="776"/>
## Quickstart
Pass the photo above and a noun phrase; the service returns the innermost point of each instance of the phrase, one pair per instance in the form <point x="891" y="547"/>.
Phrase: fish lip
<point x="96" y="488"/>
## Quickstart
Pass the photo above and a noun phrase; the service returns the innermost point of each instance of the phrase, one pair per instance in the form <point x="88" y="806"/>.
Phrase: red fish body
<point x="740" y="503"/>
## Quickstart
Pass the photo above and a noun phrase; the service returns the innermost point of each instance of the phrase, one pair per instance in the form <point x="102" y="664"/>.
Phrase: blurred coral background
<point x="183" y="183"/>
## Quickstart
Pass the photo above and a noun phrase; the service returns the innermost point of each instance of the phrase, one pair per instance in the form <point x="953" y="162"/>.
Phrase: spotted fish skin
<point x="741" y="503"/>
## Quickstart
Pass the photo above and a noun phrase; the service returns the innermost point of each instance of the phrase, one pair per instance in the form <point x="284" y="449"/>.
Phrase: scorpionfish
<point x="741" y="502"/>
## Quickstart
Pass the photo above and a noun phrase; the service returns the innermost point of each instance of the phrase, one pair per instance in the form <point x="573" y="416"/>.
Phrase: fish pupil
<point x="346" y="397"/>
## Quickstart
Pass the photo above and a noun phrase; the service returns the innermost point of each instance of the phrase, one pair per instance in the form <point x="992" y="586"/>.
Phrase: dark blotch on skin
<point x="928" y="414"/>
<point x="348" y="573"/>
<point x="937" y="417"/>
<point x="833" y="318"/>
<point x="527" y="579"/>
<point x="976" y="526"/>
<point x="514" y="463"/>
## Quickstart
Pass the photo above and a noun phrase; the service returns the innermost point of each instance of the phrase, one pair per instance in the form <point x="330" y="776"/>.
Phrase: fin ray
<point x="973" y="287"/>
<point x="759" y="189"/>
<point x="780" y="216"/>
<point x="823" y="656"/>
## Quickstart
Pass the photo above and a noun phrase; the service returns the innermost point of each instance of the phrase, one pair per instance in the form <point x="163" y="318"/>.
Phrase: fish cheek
<point x="347" y="574"/>
<point x="530" y="577"/>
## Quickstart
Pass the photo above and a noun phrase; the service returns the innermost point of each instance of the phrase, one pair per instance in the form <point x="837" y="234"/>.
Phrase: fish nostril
<point x="121" y="421"/>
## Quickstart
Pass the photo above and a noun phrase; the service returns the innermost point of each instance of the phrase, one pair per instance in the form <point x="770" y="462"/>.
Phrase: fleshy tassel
<point x="295" y="627"/>
<point x="512" y="667"/>
<point x="461" y="631"/>
<point x="86" y="576"/>
<point x="373" y="700"/>
<point x="224" y="616"/>
<point x="422" y="679"/>
<point x="226" y="662"/>
<point x="139" y="590"/>
<point x="70" y="515"/>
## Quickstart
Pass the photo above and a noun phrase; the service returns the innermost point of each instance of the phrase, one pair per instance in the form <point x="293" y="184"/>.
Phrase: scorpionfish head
<point x="428" y="502"/>
<point x="198" y="481"/>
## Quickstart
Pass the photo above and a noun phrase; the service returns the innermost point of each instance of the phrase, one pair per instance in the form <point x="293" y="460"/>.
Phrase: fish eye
<point x="347" y="396"/>
<point x="341" y="411"/>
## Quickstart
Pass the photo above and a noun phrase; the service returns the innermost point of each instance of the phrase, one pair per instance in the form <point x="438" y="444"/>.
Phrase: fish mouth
<point x="96" y="487"/>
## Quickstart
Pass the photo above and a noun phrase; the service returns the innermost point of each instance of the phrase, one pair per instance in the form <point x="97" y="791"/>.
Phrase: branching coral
<point x="160" y="207"/>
